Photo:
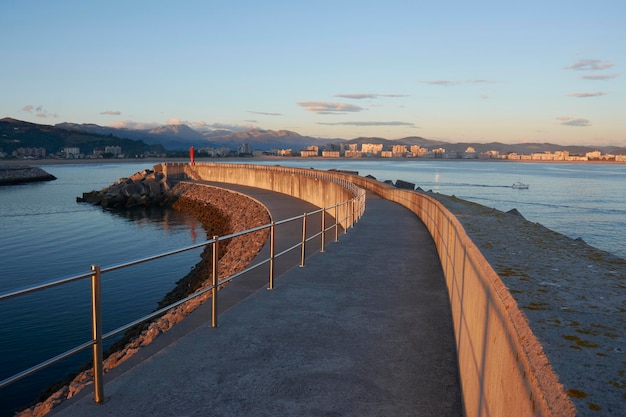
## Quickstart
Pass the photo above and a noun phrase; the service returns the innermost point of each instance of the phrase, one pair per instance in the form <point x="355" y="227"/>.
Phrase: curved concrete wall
<point x="321" y="188"/>
<point x="503" y="369"/>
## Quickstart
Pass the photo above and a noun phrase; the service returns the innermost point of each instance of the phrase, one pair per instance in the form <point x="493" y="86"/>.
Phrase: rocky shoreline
<point x="19" y="174"/>
<point x="145" y="188"/>
<point x="572" y="294"/>
<point x="221" y="212"/>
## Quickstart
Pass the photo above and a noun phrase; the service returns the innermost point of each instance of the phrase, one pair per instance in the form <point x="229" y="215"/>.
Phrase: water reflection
<point x="168" y="219"/>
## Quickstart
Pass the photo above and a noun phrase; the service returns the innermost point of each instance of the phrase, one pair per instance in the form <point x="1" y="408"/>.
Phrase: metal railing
<point x="354" y="210"/>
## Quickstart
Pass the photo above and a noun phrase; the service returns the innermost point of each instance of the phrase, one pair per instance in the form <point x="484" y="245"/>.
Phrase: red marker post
<point x="192" y="156"/>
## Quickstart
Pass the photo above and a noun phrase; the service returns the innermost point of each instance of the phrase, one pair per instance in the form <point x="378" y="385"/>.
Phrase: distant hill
<point x="266" y="139"/>
<point x="180" y="137"/>
<point x="15" y="133"/>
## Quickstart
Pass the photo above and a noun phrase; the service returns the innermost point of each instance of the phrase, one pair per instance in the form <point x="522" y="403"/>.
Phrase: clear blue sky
<point x="532" y="71"/>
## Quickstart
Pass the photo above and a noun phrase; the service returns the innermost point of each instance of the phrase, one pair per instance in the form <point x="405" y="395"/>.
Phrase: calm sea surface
<point x="577" y="200"/>
<point x="45" y="234"/>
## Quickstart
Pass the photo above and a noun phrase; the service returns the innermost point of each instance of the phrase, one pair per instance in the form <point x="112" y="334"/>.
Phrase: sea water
<point x="579" y="200"/>
<point x="45" y="235"/>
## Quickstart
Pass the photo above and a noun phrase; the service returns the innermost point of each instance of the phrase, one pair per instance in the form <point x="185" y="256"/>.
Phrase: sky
<point x="459" y="71"/>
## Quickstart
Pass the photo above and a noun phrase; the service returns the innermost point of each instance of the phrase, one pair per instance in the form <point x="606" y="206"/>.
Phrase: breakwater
<point x="482" y="304"/>
<point x="503" y="367"/>
<point x="221" y="212"/>
<point x="11" y="175"/>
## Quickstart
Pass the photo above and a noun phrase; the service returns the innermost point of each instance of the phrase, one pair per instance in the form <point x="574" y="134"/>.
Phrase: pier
<point x="339" y="336"/>
<point x="403" y="316"/>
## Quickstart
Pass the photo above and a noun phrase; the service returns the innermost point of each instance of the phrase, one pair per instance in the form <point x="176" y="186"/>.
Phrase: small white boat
<point x="520" y="186"/>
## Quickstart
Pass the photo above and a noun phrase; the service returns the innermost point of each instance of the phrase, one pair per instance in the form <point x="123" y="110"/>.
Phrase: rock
<point x="11" y="175"/>
<point x="514" y="212"/>
<point x="145" y="188"/>
<point x="404" y="185"/>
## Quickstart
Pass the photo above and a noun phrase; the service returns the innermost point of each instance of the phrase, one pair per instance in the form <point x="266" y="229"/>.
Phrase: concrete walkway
<point x="363" y="329"/>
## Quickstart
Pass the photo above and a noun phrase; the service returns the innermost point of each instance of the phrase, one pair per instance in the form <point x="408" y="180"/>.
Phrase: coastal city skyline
<point x="450" y="71"/>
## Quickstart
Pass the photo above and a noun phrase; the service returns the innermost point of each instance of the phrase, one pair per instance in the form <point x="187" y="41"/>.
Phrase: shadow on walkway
<point x="362" y="330"/>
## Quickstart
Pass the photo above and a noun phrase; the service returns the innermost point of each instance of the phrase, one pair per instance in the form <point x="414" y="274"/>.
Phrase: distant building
<point x="372" y="148"/>
<point x="399" y="150"/>
<point x="215" y="152"/>
<point x="353" y="154"/>
<point x="116" y="151"/>
<point x="71" y="153"/>
<point x="309" y="153"/>
<point x="594" y="155"/>
<point x="29" y="152"/>
<point x="244" y="149"/>
<point x="386" y="154"/>
<point x="418" y="151"/>
<point x="284" y="152"/>
<point x="330" y="154"/>
<point x="439" y="152"/>
<point x="313" y="148"/>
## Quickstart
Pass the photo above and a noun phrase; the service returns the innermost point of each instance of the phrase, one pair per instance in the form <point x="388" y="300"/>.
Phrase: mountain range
<point x="180" y="137"/>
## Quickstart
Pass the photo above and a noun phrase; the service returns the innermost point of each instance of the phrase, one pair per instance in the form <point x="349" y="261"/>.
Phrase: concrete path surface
<point x="363" y="329"/>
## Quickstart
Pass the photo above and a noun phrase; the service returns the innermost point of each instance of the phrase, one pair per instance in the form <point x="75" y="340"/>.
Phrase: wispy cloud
<point x="590" y="65"/>
<point x="232" y="127"/>
<point x="129" y="124"/>
<point x="596" y="94"/>
<point x="575" y="122"/>
<point x="264" y="113"/>
<point x="176" y="121"/>
<point x="371" y="123"/>
<point x="440" y="82"/>
<point x="38" y="111"/>
<point x="201" y="126"/>
<point x="111" y="112"/>
<point x="446" y="83"/>
<point x="360" y="96"/>
<point x="600" y="76"/>
<point x="325" y="107"/>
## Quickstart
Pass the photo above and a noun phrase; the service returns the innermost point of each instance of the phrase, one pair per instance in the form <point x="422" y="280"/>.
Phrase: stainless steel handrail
<point x="96" y="272"/>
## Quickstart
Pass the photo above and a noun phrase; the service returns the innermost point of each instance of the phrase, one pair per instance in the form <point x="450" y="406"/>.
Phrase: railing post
<point x="323" y="229"/>
<point x="353" y="206"/>
<point x="303" y="239"/>
<point x="215" y="282"/>
<point x="96" y="334"/>
<point x="336" y="222"/>
<point x="272" y="251"/>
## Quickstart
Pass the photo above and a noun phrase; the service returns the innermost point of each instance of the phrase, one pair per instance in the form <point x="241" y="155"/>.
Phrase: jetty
<point x="338" y="336"/>
<point x="18" y="174"/>
<point x="402" y="316"/>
